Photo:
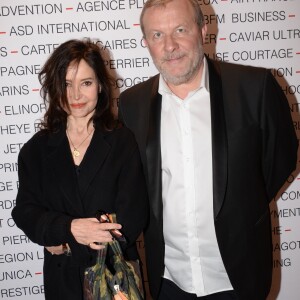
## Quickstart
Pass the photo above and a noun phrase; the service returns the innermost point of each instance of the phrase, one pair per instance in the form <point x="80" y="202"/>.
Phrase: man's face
<point x="174" y="40"/>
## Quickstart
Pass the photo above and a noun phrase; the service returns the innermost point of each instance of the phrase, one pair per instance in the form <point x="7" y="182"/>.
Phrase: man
<point x="217" y="142"/>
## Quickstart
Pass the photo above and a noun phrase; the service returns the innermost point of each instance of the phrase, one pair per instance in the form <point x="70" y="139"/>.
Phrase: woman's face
<point x="82" y="90"/>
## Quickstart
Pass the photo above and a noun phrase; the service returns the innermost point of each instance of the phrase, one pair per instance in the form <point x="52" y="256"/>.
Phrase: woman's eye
<point x="68" y="84"/>
<point x="87" y="83"/>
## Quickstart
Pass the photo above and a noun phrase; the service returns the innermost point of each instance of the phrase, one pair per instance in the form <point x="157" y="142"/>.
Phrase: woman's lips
<point x="77" y="105"/>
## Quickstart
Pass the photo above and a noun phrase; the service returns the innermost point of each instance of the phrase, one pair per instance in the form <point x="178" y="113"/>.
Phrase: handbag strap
<point x="101" y="256"/>
<point x="114" y="244"/>
<point x="112" y="217"/>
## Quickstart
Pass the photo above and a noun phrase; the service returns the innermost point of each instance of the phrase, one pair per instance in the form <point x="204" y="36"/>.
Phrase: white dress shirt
<point x="192" y="257"/>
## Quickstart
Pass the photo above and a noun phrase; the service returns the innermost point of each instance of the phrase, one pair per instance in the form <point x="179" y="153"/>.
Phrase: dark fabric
<point x="170" y="291"/>
<point x="254" y="150"/>
<point x="52" y="193"/>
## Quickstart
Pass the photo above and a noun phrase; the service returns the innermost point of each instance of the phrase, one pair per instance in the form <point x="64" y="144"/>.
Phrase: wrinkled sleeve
<point x="42" y="225"/>
<point x="280" y="143"/>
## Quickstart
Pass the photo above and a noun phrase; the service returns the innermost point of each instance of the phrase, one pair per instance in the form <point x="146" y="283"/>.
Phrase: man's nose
<point x="170" y="43"/>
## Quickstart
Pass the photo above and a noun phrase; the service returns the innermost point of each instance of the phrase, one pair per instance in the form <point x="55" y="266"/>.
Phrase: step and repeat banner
<point x="252" y="32"/>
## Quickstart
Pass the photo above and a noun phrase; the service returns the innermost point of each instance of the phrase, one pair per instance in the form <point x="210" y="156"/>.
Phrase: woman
<point x="80" y="162"/>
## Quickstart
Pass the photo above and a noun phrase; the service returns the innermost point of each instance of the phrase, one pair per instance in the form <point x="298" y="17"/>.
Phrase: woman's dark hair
<point x="53" y="84"/>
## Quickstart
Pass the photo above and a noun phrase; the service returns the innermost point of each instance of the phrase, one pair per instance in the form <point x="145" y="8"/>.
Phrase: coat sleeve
<point x="132" y="200"/>
<point x="280" y="143"/>
<point x="42" y="225"/>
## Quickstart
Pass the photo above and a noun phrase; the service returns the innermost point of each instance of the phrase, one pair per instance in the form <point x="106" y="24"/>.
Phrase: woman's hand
<point x="90" y="231"/>
<point x="55" y="250"/>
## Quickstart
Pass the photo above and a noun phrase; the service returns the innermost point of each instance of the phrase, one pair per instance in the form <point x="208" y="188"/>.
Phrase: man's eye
<point x="180" y="30"/>
<point x="157" y="35"/>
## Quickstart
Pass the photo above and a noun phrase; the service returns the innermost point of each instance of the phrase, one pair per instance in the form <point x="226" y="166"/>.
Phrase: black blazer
<point x="254" y="150"/>
<point x="51" y="195"/>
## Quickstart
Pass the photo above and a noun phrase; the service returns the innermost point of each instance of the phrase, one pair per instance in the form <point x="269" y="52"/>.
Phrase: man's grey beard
<point x="177" y="80"/>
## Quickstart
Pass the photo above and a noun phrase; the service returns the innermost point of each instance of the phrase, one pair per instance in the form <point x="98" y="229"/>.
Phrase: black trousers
<point x="170" y="291"/>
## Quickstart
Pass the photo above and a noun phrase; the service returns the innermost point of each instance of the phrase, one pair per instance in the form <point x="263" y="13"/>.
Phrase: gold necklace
<point x="75" y="150"/>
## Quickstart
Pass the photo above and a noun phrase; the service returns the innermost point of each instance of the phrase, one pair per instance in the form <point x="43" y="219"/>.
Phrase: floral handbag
<point x="100" y="283"/>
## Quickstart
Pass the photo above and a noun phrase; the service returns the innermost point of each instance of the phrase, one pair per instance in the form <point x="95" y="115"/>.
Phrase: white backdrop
<point x="253" y="32"/>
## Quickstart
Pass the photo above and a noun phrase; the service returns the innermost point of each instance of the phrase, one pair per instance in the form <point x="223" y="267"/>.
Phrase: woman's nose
<point x="76" y="92"/>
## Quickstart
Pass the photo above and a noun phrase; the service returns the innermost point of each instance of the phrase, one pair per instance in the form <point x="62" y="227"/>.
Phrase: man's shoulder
<point x="144" y="87"/>
<point x="237" y="69"/>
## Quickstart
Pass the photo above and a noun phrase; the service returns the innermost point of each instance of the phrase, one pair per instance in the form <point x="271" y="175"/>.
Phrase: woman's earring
<point x="100" y="89"/>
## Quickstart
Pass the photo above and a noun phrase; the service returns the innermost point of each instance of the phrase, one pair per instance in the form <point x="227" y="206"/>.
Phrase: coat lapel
<point x="60" y="158"/>
<point x="153" y="152"/>
<point x="219" y="137"/>
<point x="94" y="158"/>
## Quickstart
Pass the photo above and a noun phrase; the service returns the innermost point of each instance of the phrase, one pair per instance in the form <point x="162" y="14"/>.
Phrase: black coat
<point x="254" y="149"/>
<point x="51" y="195"/>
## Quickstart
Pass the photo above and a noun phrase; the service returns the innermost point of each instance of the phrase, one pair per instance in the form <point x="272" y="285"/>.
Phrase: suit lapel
<point x="219" y="144"/>
<point x="219" y="137"/>
<point x="153" y="152"/>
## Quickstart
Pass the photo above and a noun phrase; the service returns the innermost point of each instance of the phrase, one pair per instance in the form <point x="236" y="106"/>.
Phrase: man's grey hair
<point x="199" y="17"/>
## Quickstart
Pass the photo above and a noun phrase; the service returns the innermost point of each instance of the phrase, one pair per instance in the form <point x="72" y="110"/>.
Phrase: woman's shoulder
<point x="121" y="135"/>
<point x="35" y="145"/>
<point x="38" y="138"/>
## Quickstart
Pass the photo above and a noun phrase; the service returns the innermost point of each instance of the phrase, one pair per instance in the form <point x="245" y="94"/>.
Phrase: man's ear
<point x="203" y="33"/>
<point x="145" y="42"/>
